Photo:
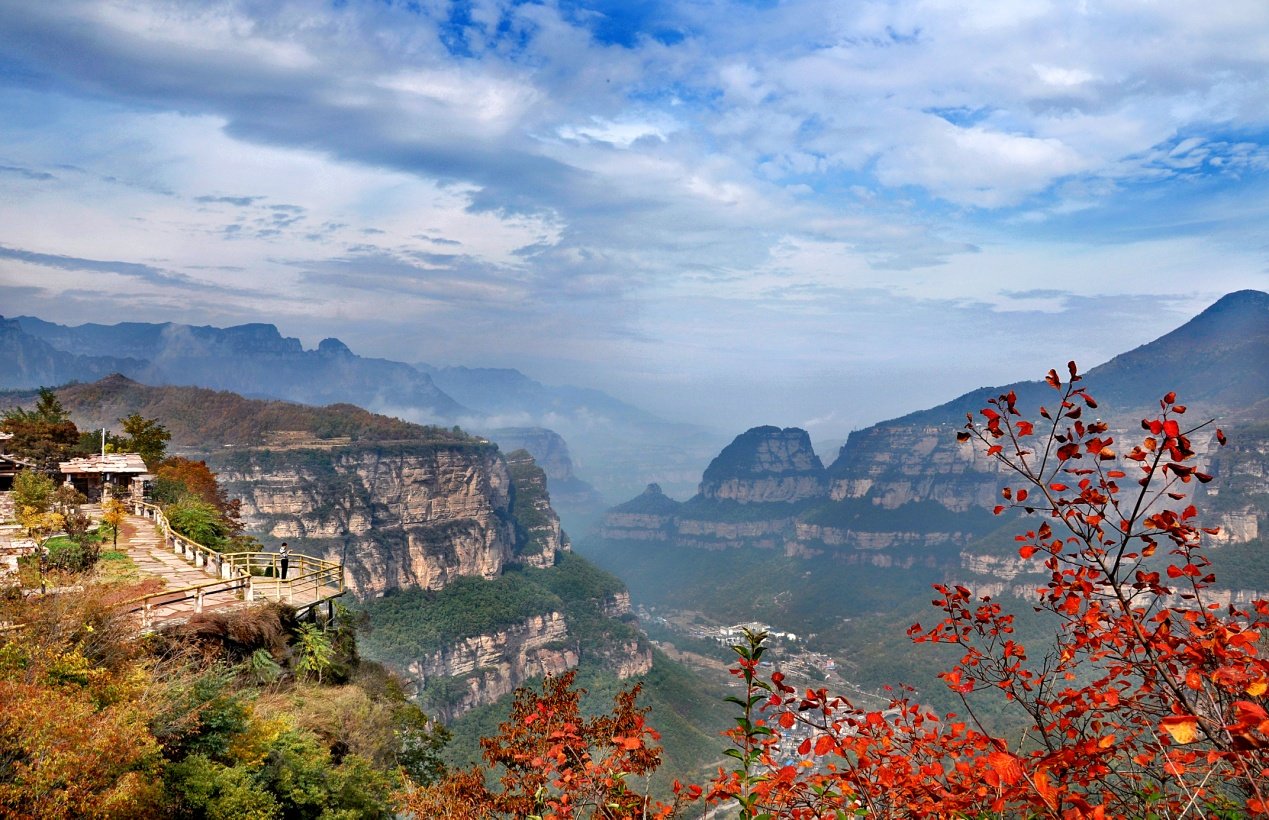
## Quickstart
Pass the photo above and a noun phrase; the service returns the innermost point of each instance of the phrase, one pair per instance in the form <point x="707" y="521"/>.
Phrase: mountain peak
<point x="333" y="347"/>
<point x="1239" y="300"/>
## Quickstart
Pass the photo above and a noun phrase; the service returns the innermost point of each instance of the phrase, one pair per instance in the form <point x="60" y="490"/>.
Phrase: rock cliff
<point x="398" y="515"/>
<point x="765" y="465"/>
<point x="569" y="493"/>
<point x="479" y="670"/>
<point x="538" y="534"/>
<point x="649" y="516"/>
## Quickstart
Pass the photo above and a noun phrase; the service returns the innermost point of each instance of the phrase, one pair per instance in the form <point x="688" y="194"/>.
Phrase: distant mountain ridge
<point x="1220" y="358"/>
<point x="27" y="361"/>
<point x="904" y="491"/>
<point x="254" y="360"/>
<point x="617" y="446"/>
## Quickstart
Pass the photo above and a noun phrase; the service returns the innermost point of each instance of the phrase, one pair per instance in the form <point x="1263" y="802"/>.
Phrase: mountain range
<point x="618" y="446"/>
<point x="904" y="491"/>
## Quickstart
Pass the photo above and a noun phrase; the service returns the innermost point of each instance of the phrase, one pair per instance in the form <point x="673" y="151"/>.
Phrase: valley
<point x="468" y="584"/>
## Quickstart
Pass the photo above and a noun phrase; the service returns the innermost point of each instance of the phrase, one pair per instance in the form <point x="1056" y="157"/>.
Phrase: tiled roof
<point x="109" y="463"/>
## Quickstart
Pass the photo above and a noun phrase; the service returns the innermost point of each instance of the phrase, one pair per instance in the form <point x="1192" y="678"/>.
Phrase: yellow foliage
<point x="252" y="746"/>
<point x="71" y="759"/>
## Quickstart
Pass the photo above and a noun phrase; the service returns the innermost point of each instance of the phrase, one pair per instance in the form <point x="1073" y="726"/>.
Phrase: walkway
<point x="199" y="579"/>
<point x="140" y="539"/>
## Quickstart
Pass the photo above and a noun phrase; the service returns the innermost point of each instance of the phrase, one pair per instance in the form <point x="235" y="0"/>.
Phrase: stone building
<point x="126" y="473"/>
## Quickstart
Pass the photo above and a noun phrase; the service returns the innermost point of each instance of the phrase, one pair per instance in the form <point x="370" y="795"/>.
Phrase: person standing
<point x="284" y="554"/>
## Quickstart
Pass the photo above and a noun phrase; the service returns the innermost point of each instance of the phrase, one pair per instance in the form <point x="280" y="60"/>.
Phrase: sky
<point x="818" y="214"/>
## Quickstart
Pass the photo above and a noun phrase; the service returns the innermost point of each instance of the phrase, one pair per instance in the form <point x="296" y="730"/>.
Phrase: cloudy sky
<point x="801" y="213"/>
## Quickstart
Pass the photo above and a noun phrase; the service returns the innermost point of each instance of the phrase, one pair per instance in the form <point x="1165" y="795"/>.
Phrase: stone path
<point x="141" y="541"/>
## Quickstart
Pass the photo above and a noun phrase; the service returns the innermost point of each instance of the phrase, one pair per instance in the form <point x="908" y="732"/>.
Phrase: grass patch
<point x="114" y="567"/>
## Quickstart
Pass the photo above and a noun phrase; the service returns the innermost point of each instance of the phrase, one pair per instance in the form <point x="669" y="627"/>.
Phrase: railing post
<point x="198" y="603"/>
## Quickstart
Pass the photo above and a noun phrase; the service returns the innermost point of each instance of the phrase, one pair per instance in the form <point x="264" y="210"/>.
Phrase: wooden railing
<point x="250" y="575"/>
<point x="306" y="576"/>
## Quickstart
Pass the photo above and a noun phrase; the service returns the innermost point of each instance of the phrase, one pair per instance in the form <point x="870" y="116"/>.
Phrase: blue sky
<point x="799" y="213"/>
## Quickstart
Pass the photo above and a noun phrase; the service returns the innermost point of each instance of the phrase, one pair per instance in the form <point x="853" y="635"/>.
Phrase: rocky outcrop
<point x="538" y="534"/>
<point x="649" y="516"/>
<point x="414" y="514"/>
<point x="876" y="540"/>
<point x="896" y="464"/>
<point x="765" y="465"/>
<point x="479" y="670"/>
<point x="551" y="453"/>
<point x="767" y="533"/>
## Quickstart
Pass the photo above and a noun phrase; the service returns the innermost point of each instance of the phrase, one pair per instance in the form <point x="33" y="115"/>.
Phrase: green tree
<point x="316" y="652"/>
<point x="145" y="436"/>
<point x="197" y="520"/>
<point x="33" y="490"/>
<point x="33" y="504"/>
<point x="44" y="435"/>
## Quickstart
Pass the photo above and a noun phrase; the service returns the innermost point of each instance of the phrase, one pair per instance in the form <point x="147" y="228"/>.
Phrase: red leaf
<point x="805" y="747"/>
<point x="1170" y="397"/>
<point x="1053" y="380"/>
<point x="1220" y="436"/>
<point x="1027" y="552"/>
<point x="1182" y="728"/>
<point x="1058" y="488"/>
<point x="1006" y="766"/>
<point x="1171" y="428"/>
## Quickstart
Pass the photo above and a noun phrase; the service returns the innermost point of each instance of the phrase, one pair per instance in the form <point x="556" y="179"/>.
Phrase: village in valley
<point x="696" y="640"/>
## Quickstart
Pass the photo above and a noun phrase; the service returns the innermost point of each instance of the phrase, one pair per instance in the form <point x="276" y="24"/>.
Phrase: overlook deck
<point x="199" y="579"/>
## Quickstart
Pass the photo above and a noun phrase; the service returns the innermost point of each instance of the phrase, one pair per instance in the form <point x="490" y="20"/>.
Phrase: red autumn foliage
<point x="555" y="763"/>
<point x="1150" y="700"/>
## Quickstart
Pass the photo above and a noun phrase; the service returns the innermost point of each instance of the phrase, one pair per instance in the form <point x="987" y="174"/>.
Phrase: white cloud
<point x="528" y="188"/>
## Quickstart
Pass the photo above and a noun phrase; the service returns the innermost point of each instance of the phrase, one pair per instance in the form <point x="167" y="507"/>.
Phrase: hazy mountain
<point x="28" y="361"/>
<point x="616" y="446"/>
<point x="497" y="391"/>
<point x="852" y="557"/>
<point x="255" y="360"/>
<point x="906" y="492"/>
<point x="1219" y="360"/>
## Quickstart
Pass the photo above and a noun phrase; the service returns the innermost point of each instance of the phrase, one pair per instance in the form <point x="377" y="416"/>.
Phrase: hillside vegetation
<point x="202" y="419"/>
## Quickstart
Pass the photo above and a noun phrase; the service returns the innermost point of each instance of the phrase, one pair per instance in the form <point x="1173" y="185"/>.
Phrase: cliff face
<point x="904" y="493"/>
<point x="896" y="464"/>
<point x="538" y="533"/>
<point x="477" y="671"/>
<point x="551" y="453"/>
<point x="482" y="669"/>
<point x="397" y="515"/>
<point x="765" y="465"/>
<point x="649" y="516"/>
